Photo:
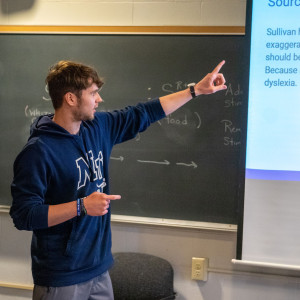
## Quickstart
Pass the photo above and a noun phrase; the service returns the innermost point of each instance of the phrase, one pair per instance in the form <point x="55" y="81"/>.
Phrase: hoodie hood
<point x="45" y="125"/>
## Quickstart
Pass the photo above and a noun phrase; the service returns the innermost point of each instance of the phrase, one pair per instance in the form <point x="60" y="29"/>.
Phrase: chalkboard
<point x="185" y="167"/>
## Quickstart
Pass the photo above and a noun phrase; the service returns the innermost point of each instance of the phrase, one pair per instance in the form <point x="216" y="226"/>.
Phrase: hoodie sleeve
<point x="28" y="210"/>
<point x="127" y="123"/>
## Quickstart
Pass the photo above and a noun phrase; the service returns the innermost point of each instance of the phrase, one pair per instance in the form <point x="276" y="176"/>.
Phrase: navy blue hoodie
<point x="57" y="167"/>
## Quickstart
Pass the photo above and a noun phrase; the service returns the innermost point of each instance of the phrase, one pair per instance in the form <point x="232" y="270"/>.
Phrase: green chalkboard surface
<point x="185" y="167"/>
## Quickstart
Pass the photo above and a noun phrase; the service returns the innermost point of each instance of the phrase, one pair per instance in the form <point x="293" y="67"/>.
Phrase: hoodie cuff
<point x="40" y="217"/>
<point x="155" y="110"/>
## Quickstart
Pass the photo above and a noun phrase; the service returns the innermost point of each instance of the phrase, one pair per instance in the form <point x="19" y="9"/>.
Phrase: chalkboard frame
<point x="178" y="30"/>
<point x="63" y="30"/>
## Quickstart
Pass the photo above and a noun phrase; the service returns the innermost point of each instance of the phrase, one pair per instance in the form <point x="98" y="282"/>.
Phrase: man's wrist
<point x="81" y="210"/>
<point x="191" y="87"/>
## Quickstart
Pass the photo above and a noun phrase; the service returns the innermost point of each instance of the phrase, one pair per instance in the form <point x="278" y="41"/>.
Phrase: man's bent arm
<point x="96" y="204"/>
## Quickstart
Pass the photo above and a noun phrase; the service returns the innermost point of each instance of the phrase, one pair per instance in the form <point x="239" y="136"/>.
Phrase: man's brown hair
<point x="69" y="76"/>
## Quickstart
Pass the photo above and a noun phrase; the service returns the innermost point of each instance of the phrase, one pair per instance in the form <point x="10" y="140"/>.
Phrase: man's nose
<point x="99" y="99"/>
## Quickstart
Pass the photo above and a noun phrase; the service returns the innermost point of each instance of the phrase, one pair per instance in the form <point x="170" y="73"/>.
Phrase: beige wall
<point x="176" y="244"/>
<point x="122" y="12"/>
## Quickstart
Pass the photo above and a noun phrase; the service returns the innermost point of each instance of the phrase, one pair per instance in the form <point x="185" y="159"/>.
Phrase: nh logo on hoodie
<point x="91" y="169"/>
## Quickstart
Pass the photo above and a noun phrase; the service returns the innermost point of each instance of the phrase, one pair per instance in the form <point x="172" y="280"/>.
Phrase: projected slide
<point x="270" y="231"/>
<point x="273" y="138"/>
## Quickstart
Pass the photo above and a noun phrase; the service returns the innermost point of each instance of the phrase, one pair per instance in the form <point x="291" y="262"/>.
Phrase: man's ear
<point x="70" y="99"/>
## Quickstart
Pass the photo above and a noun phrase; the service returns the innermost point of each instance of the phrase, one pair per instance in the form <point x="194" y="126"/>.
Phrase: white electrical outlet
<point x="199" y="268"/>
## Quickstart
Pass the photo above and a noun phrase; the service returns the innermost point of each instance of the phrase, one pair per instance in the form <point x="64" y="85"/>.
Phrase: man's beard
<point x="79" y="115"/>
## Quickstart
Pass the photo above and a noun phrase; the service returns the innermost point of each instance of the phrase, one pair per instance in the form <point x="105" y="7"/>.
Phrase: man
<point x="60" y="188"/>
